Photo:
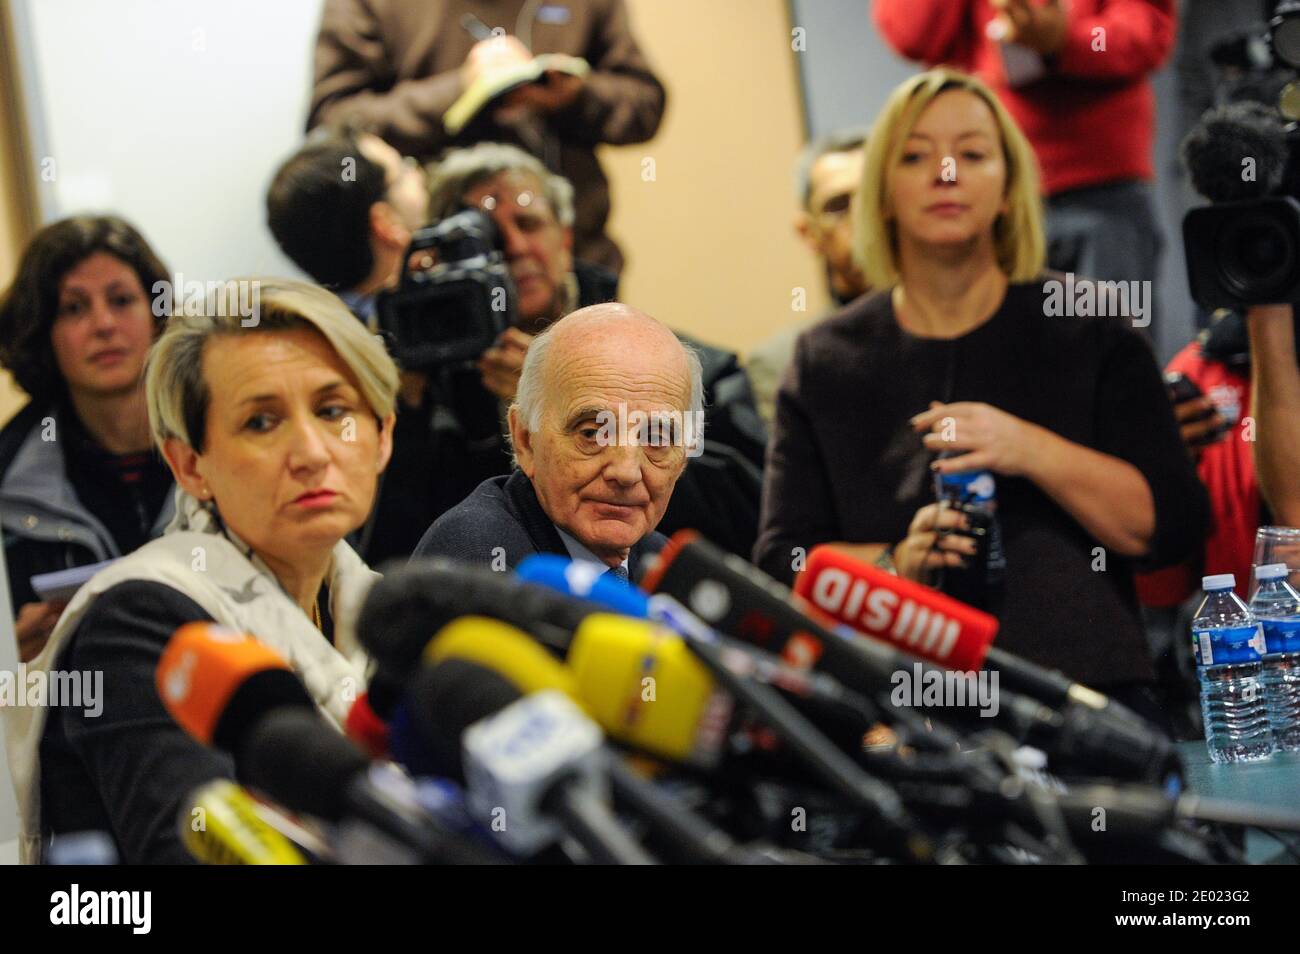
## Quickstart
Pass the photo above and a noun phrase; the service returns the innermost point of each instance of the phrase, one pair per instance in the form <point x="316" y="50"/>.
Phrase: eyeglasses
<point x="523" y="199"/>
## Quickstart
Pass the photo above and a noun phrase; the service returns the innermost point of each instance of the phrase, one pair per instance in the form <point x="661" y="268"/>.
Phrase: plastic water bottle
<point x="1276" y="605"/>
<point x="979" y="582"/>
<point x="1228" y="643"/>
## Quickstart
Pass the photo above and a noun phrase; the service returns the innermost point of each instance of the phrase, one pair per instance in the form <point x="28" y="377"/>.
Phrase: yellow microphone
<point x="220" y="825"/>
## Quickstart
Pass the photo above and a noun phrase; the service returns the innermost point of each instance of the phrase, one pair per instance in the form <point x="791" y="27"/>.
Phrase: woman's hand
<point x="931" y="542"/>
<point x="993" y="439"/>
<point x="33" y="627"/>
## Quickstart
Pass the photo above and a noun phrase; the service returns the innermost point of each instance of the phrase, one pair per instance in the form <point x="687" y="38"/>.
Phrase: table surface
<point x="1273" y="782"/>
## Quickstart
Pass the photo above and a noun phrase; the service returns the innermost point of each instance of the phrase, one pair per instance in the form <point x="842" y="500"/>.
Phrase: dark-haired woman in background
<point x="80" y="481"/>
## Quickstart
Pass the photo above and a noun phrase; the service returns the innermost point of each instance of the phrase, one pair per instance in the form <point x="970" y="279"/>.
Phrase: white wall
<point x="173" y="113"/>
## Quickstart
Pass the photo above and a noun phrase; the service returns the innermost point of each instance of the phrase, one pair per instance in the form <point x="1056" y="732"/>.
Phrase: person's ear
<point x="386" y="426"/>
<point x="522" y="441"/>
<point x="803" y="227"/>
<point x="187" y="467"/>
<point x="387" y="226"/>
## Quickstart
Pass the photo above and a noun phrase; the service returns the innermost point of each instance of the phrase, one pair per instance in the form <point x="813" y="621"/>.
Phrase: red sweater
<point x="1091" y="120"/>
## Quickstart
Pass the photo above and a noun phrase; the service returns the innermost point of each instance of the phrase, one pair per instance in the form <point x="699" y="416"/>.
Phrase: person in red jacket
<point x="1075" y="76"/>
<point x="1220" y="439"/>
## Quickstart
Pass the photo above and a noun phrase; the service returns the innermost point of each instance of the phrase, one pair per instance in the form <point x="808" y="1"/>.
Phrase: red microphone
<point x="918" y="619"/>
<point x="364" y="727"/>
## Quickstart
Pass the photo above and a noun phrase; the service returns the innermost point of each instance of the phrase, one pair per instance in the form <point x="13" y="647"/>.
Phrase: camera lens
<point x="1256" y="256"/>
<point x="1286" y="36"/>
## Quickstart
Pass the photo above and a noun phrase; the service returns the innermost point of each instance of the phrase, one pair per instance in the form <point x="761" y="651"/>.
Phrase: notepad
<point x="493" y="85"/>
<point x="59" y="586"/>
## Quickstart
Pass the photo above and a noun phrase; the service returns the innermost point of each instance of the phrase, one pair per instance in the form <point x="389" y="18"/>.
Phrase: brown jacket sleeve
<point x="623" y="101"/>
<point x="352" y="64"/>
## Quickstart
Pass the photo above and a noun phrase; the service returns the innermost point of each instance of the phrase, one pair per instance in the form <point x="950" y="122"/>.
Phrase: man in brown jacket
<point x="395" y="67"/>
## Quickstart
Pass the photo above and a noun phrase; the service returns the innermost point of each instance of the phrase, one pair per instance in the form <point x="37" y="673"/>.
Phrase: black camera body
<point x="1244" y="248"/>
<point x="454" y="311"/>
<point x="1244" y="253"/>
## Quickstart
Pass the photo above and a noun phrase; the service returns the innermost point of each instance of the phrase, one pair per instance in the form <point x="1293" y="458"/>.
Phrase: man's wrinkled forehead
<point x="606" y="372"/>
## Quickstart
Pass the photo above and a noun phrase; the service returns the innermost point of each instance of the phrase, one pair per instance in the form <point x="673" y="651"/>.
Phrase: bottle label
<point x="1282" y="635"/>
<point x="1233" y="644"/>
<point x="974" y="486"/>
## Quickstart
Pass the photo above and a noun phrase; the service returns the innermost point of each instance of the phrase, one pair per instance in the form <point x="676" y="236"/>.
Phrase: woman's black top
<point x="844" y="463"/>
<point x="125" y="767"/>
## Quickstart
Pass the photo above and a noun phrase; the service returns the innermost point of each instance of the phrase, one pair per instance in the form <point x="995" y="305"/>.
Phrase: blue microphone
<point x="588" y="581"/>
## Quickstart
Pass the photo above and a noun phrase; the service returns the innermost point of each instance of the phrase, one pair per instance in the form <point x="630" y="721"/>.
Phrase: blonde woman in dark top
<point x="964" y="350"/>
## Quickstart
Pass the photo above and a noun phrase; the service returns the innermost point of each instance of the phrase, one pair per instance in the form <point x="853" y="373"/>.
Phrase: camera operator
<point x="344" y="208"/>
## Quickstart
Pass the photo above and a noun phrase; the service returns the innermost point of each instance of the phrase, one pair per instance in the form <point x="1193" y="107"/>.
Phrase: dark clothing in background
<point x="394" y="65"/>
<point x="845" y="464"/>
<point x="67" y="502"/>
<point x="503" y="522"/>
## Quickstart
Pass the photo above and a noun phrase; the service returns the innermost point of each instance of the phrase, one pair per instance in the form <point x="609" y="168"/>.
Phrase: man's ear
<point x="386" y="426"/>
<point x="186" y="465"/>
<point x="803" y="227"/>
<point x="387" y="226"/>
<point x="522" y="441"/>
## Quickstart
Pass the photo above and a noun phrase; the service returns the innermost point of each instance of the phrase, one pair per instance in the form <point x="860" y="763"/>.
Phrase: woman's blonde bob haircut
<point x="1017" y="235"/>
<point x="177" y="394"/>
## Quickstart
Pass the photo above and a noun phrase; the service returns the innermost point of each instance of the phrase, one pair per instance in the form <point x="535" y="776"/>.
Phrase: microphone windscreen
<point x="403" y="610"/>
<point x="216" y="682"/>
<point x="447" y="699"/>
<point x="646" y="688"/>
<point x="914" y="617"/>
<point x="301" y="762"/>
<point x="1238" y="151"/>
<point x="588" y="581"/>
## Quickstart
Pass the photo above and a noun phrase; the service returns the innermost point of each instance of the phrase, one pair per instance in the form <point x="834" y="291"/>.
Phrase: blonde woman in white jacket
<point x="276" y="424"/>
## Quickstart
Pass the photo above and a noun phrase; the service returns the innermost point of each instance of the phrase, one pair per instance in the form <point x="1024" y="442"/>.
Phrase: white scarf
<point x="200" y="558"/>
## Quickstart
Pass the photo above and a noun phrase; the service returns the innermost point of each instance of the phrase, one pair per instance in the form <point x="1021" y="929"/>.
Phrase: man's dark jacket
<point x="502" y="522"/>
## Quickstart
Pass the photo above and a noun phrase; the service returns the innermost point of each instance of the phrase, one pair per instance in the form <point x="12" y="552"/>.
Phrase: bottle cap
<point x="1272" y="571"/>
<point x="1219" y="581"/>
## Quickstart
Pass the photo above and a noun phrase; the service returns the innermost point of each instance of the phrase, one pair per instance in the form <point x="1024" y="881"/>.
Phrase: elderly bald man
<point x="608" y="409"/>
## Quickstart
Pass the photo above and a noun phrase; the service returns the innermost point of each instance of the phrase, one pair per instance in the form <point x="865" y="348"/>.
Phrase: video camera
<point x="1244" y="248"/>
<point x="454" y="310"/>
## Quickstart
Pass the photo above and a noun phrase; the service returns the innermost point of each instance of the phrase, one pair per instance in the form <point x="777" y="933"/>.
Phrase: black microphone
<point x="535" y="766"/>
<point x="1238" y="151"/>
<point x="406" y="607"/>
<point x="234" y="693"/>
<point x="740" y="600"/>
<point x="303" y="764"/>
